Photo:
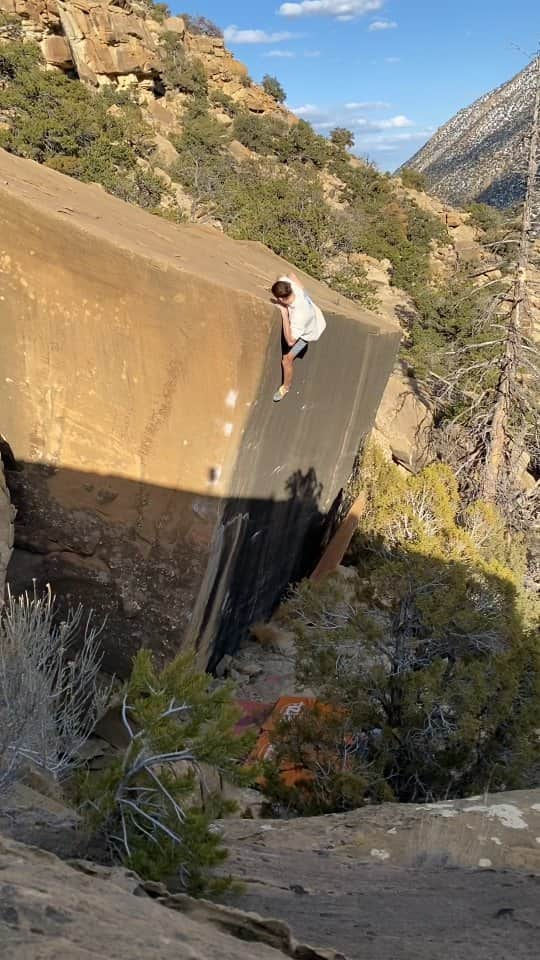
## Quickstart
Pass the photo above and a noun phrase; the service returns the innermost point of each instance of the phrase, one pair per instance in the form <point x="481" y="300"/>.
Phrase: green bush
<point x="10" y="26"/>
<point x="273" y="88"/>
<point x="304" y="145"/>
<point x="484" y="217"/>
<point x="178" y="71"/>
<point x="200" y="129"/>
<point x="144" y="804"/>
<point x="203" y="167"/>
<point x="342" y="138"/>
<point x="329" y="762"/>
<point x="365" y="186"/>
<point x="260" y="134"/>
<point x="413" y="179"/>
<point x="226" y="103"/>
<point x="58" y="122"/>
<point x="270" y="135"/>
<point x="285" y="211"/>
<point x="201" y="26"/>
<point x="352" y="282"/>
<point x="430" y="654"/>
<point x="158" y="11"/>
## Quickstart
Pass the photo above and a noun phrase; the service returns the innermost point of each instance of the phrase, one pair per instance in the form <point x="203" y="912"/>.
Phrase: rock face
<point x="117" y="42"/>
<point x="156" y="481"/>
<point x="49" y="909"/>
<point x="404" y="422"/>
<point x="449" y="880"/>
<point x="480" y="153"/>
<point x="6" y="530"/>
<point x="107" y="40"/>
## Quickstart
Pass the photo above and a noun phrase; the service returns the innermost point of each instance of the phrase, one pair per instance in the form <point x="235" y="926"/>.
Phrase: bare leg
<point x="287" y="362"/>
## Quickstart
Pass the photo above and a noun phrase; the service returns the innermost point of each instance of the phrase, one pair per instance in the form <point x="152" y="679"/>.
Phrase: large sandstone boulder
<point x="7" y="513"/>
<point x="57" y="52"/>
<point x="404" y="422"/>
<point x="157" y="483"/>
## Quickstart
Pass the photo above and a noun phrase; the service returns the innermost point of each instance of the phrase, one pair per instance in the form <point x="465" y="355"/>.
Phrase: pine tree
<point x="432" y="653"/>
<point x="145" y="804"/>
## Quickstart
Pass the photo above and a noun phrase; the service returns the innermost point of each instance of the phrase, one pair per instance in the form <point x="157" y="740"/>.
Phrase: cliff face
<point x="480" y="154"/>
<point x="117" y="42"/>
<point x="156" y="481"/>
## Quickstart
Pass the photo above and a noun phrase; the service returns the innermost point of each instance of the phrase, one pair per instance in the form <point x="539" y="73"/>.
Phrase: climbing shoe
<point x="279" y="394"/>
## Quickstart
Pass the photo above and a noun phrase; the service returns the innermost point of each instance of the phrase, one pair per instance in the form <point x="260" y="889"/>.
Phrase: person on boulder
<point x="303" y="321"/>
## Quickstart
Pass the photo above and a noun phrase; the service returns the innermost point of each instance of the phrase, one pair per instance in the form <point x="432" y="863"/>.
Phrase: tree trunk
<point x="499" y="434"/>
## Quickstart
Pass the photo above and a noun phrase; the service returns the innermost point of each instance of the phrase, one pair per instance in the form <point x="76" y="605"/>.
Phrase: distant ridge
<point x="480" y="153"/>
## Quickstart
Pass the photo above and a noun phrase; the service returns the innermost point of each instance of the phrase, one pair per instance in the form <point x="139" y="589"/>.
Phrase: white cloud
<point x="308" y="110"/>
<point x="392" y="123"/>
<point x="382" y="25"/>
<point x="312" y="54"/>
<point x="286" y="54"/>
<point x="233" y="34"/>
<point x="367" y="105"/>
<point x="385" y="141"/>
<point x="392" y="60"/>
<point x="340" y="9"/>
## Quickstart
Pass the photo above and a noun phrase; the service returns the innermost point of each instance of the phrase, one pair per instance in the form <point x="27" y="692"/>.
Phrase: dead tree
<point x="509" y="388"/>
<point x="493" y="373"/>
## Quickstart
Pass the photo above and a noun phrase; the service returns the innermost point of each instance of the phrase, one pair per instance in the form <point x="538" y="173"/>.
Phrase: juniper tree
<point x="431" y="653"/>
<point x="145" y="803"/>
<point x="273" y="88"/>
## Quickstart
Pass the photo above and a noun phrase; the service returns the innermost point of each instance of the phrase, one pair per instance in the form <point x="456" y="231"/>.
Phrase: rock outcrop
<point x="118" y="42"/>
<point x="107" y="41"/>
<point x="404" y="422"/>
<point x="157" y="483"/>
<point x="51" y="909"/>
<point x="6" y="530"/>
<point x="480" y="153"/>
<point x="447" y="880"/>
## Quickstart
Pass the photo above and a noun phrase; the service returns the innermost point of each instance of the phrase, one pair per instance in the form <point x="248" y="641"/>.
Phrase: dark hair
<point x="282" y="289"/>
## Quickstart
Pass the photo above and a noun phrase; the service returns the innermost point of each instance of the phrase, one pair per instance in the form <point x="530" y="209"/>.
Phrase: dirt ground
<point x="378" y="912"/>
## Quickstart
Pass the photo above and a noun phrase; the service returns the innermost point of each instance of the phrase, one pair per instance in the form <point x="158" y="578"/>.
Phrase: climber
<point x="302" y="321"/>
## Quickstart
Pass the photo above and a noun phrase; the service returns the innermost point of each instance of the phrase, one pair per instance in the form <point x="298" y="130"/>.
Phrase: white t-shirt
<point x="306" y="319"/>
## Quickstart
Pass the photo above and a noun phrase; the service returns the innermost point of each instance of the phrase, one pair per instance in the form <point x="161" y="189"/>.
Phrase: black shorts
<point x="296" y="348"/>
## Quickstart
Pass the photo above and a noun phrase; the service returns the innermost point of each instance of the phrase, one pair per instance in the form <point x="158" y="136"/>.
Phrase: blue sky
<point x="390" y="70"/>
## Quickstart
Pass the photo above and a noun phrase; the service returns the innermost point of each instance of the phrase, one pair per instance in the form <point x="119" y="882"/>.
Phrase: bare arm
<point x="294" y="278"/>
<point x="287" y="326"/>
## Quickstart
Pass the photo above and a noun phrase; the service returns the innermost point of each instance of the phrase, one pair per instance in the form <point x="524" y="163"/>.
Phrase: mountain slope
<point x="480" y="153"/>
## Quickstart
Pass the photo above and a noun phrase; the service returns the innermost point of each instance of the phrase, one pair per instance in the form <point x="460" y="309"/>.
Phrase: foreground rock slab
<point x="455" y="881"/>
<point x="49" y="909"/>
